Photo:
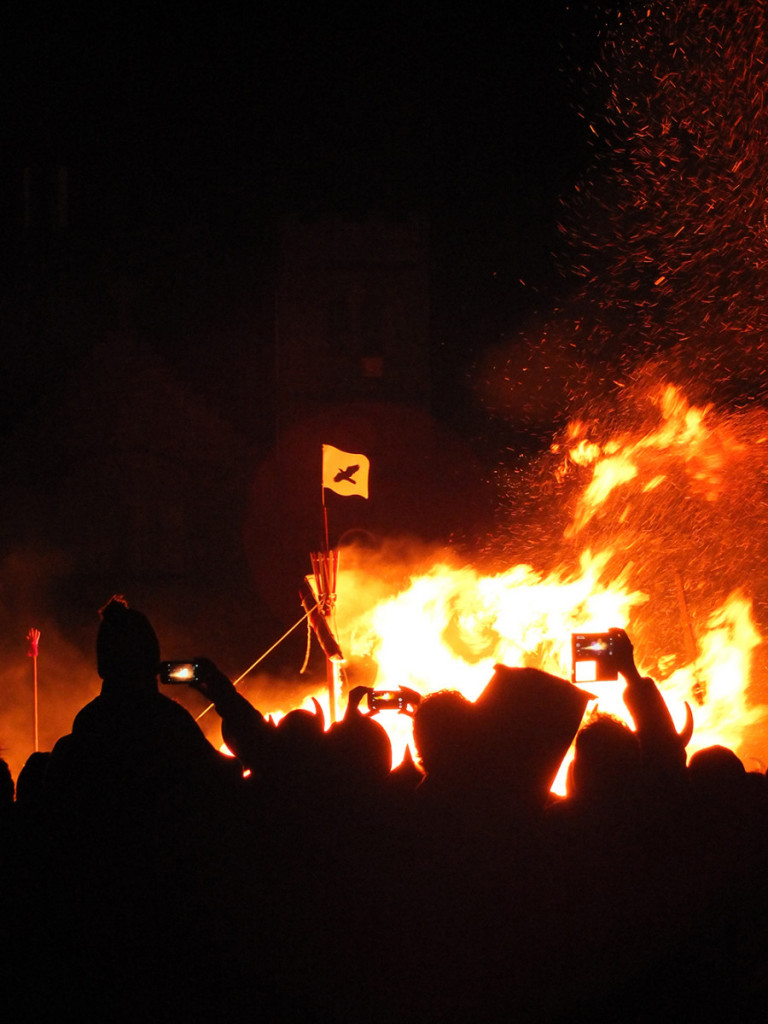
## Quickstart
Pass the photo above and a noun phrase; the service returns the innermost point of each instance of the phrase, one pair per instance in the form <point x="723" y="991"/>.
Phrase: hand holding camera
<point x="623" y="654"/>
<point x="602" y="657"/>
<point x="201" y="674"/>
<point x="403" y="699"/>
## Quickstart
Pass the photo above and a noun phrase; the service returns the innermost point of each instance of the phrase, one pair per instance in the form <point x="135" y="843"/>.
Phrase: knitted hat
<point x="126" y="644"/>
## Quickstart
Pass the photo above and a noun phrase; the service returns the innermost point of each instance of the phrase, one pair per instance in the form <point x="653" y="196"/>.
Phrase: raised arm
<point x="243" y="728"/>
<point x="662" y="746"/>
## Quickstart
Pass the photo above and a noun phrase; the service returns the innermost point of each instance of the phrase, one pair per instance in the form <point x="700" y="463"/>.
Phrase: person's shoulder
<point x="91" y="712"/>
<point x="172" y="716"/>
<point x="171" y="706"/>
<point x="190" y="740"/>
<point x="174" y="710"/>
<point x="168" y="710"/>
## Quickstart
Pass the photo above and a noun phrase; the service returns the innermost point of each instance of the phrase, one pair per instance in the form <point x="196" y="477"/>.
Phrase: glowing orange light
<point x="445" y="625"/>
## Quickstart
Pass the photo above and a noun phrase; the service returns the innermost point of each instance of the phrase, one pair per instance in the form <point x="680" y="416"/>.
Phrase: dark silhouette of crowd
<point x="146" y="876"/>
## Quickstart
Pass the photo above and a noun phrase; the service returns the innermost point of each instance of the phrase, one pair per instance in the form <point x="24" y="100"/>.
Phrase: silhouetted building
<point x="352" y="314"/>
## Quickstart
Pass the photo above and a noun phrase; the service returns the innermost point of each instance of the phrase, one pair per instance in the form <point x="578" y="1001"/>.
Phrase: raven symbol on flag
<point x="346" y="473"/>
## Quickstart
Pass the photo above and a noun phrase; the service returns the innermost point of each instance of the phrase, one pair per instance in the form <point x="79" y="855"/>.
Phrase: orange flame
<point x="702" y="445"/>
<point x="448" y="625"/>
<point x="431" y="623"/>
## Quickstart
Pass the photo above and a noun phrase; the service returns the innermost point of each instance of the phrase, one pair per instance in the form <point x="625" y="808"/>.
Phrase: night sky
<point x="355" y="108"/>
<point x="187" y="134"/>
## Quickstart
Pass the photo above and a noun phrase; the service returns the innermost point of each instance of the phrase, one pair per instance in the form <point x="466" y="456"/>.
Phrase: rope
<point x="303" y="668"/>
<point x="260" y="659"/>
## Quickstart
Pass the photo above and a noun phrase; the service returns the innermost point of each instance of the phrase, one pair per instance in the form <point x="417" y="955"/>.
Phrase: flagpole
<point x="34" y="674"/>
<point x="330" y="597"/>
<point x="346" y="473"/>
<point x="325" y="522"/>
<point x="33" y="638"/>
<point x="324" y="579"/>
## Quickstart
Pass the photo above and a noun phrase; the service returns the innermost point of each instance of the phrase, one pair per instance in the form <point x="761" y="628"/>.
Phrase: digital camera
<point x="387" y="700"/>
<point x="593" y="658"/>
<point x="174" y="672"/>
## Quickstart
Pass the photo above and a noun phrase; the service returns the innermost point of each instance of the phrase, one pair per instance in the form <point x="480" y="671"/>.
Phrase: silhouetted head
<point x="300" y="726"/>
<point x="300" y="744"/>
<point x="361" y="748"/>
<point x="715" y="768"/>
<point x="442" y="732"/>
<point x="6" y="785"/>
<point x="29" y="785"/>
<point x="127" y="649"/>
<point x="607" y="759"/>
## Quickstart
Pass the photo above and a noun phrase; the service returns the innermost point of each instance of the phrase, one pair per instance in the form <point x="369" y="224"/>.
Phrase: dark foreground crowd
<point x="144" y="876"/>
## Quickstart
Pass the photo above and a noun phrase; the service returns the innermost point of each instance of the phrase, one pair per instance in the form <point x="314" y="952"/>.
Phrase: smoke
<point x="66" y="669"/>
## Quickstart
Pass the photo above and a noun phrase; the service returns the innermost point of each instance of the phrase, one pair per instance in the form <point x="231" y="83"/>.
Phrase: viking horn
<point x="321" y="715"/>
<point x="687" y="731"/>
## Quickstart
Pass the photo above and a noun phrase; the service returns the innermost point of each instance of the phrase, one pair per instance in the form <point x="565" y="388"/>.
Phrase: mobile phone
<point x="593" y="658"/>
<point x="387" y="700"/>
<point x="174" y="672"/>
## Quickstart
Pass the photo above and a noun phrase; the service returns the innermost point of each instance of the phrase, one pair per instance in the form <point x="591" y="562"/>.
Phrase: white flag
<point x="345" y="472"/>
